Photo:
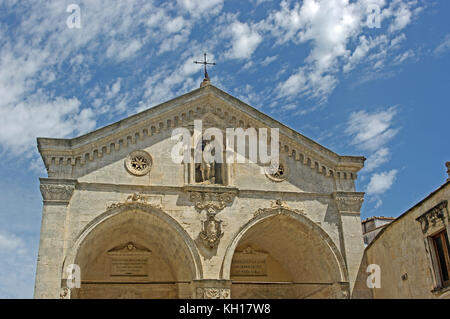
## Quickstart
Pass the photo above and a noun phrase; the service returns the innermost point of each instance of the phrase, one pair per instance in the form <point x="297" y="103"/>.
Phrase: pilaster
<point x="349" y="206"/>
<point x="56" y="194"/>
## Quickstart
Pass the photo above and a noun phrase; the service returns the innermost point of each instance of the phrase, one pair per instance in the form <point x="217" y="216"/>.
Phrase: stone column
<point x="212" y="289"/>
<point x="349" y="206"/>
<point x="56" y="195"/>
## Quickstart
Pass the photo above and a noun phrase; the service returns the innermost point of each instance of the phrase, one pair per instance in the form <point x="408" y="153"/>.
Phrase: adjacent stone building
<point x="139" y="225"/>
<point x="412" y="252"/>
<point x="373" y="225"/>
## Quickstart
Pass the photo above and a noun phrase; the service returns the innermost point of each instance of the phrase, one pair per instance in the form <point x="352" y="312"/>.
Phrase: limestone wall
<point x="404" y="259"/>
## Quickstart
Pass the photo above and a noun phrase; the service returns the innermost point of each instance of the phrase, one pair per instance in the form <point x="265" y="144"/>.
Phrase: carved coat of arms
<point x="211" y="231"/>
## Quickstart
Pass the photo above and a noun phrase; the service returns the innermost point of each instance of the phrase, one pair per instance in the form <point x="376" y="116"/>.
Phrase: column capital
<point x="57" y="191"/>
<point x="348" y="202"/>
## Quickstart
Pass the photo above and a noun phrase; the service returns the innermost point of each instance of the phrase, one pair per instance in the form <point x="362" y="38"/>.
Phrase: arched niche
<point x="135" y="251"/>
<point x="283" y="254"/>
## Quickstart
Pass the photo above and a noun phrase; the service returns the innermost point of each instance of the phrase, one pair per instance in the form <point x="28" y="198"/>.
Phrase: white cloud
<point x="10" y="242"/>
<point x="201" y="8"/>
<point x="17" y="266"/>
<point x="268" y="60"/>
<point x="370" y="131"/>
<point x="331" y="27"/>
<point x="444" y="46"/>
<point x="32" y="56"/>
<point x="39" y="115"/>
<point x="404" y="56"/>
<point x="244" y="41"/>
<point x="381" y="182"/>
<point x="377" y="159"/>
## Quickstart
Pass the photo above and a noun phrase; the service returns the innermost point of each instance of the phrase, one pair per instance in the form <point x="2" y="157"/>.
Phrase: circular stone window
<point x="278" y="175"/>
<point x="138" y="163"/>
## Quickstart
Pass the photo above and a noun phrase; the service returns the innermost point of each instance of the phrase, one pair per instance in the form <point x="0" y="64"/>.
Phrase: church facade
<point x="122" y="219"/>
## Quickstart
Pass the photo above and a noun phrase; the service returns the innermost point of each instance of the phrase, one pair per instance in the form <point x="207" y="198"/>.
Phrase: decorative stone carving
<point x="433" y="216"/>
<point x="280" y="174"/>
<point x="214" y="293"/>
<point x="139" y="163"/>
<point x="211" y="230"/>
<point x="277" y="206"/>
<point x="129" y="247"/>
<point x="65" y="293"/>
<point x="134" y="199"/>
<point x="348" y="201"/>
<point x="211" y="202"/>
<point x="57" y="191"/>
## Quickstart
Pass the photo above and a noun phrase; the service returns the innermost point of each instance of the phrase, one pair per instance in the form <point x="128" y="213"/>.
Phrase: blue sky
<point x="323" y="68"/>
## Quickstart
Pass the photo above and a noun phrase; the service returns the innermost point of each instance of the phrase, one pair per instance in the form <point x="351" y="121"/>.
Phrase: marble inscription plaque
<point x="249" y="263"/>
<point x="129" y="266"/>
<point x="129" y="259"/>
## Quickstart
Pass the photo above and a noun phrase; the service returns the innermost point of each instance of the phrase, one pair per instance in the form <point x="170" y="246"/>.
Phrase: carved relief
<point x="133" y="199"/>
<point x="211" y="202"/>
<point x="277" y="206"/>
<point x="348" y="201"/>
<point x="57" y="192"/>
<point x="280" y="174"/>
<point x="65" y="293"/>
<point x="211" y="231"/>
<point x="214" y="293"/>
<point x="433" y="217"/>
<point x="138" y="163"/>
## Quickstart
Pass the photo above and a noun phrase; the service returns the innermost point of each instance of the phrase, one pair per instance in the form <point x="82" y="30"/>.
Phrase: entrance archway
<point x="284" y="255"/>
<point x="135" y="251"/>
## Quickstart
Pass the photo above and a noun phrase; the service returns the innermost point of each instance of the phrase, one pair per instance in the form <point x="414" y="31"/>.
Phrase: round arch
<point x="315" y="230"/>
<point x="140" y="222"/>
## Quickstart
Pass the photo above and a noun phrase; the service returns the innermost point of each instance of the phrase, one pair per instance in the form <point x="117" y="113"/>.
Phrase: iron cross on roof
<point x="205" y="63"/>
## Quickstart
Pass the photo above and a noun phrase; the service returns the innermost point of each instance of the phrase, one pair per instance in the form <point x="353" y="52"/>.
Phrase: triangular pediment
<point x="213" y="106"/>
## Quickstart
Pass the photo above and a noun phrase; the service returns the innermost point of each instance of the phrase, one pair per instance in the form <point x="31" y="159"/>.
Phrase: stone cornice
<point x="180" y="112"/>
<point x="348" y="202"/>
<point x="57" y="191"/>
<point x="433" y="215"/>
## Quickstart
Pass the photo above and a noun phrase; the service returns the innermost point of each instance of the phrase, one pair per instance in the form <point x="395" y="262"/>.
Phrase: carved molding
<point x="57" y="191"/>
<point x="348" y="201"/>
<point x="134" y="199"/>
<point x="432" y="216"/>
<point x="211" y="202"/>
<point x="214" y="293"/>
<point x="65" y="293"/>
<point x="277" y="206"/>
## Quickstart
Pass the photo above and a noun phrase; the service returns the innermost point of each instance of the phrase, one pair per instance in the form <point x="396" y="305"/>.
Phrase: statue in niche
<point x="208" y="172"/>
